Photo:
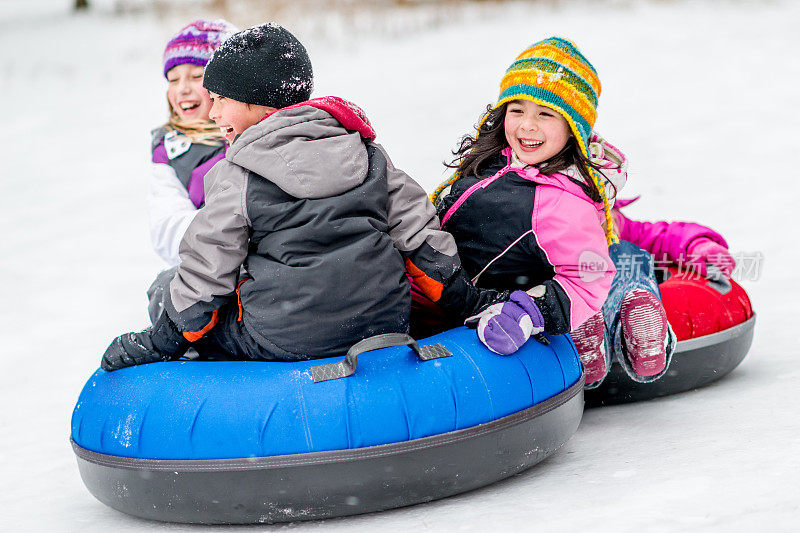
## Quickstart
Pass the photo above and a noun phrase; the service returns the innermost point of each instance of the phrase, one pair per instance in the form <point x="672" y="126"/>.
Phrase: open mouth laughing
<point x="530" y="144"/>
<point x="228" y="132"/>
<point x="189" y="106"/>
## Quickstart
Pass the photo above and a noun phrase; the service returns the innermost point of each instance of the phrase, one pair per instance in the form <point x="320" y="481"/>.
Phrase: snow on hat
<point x="196" y="42"/>
<point x="554" y="73"/>
<point x="264" y="65"/>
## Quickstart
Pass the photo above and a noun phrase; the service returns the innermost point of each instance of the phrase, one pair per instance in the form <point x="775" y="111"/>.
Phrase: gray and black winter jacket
<point x="325" y="228"/>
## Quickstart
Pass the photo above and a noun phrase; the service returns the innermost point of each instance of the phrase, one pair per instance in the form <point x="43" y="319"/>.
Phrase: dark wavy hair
<point x="474" y="153"/>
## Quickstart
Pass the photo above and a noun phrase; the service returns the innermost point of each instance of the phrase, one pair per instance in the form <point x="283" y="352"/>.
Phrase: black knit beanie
<point x="263" y="65"/>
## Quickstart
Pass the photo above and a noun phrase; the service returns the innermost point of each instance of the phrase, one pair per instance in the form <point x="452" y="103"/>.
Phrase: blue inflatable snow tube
<point x="473" y="414"/>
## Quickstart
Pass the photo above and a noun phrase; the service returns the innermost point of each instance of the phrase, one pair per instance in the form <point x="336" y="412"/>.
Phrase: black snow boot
<point x="160" y="342"/>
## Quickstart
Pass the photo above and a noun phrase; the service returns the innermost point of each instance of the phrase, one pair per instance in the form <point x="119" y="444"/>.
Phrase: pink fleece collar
<point x="556" y="179"/>
<point x="349" y="115"/>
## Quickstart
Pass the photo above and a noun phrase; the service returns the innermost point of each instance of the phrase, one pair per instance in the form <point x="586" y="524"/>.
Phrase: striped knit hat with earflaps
<point x="554" y="73"/>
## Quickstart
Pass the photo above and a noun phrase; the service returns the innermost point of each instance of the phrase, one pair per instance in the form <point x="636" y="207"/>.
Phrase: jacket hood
<point x="613" y="165"/>
<point x="310" y="150"/>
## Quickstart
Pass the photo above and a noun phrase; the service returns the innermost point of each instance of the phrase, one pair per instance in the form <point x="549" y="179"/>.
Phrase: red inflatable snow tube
<point x="697" y="307"/>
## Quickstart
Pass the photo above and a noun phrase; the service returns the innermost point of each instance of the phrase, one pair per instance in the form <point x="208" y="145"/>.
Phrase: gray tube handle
<point x="347" y="366"/>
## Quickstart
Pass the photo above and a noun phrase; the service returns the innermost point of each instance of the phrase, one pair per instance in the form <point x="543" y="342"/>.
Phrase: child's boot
<point x="589" y="339"/>
<point x="160" y="342"/>
<point x="645" y="332"/>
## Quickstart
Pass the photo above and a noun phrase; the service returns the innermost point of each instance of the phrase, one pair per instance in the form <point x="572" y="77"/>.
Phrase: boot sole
<point x="695" y="363"/>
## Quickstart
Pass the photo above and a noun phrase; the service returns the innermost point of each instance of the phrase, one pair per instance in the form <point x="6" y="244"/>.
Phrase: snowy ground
<point x="703" y="98"/>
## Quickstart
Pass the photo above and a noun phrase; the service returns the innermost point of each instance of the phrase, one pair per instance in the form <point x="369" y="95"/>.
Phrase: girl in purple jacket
<point x="530" y="206"/>
<point x="189" y="144"/>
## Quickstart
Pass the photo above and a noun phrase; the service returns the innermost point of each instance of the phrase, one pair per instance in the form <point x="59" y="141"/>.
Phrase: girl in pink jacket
<point x="530" y="206"/>
<point x="527" y="206"/>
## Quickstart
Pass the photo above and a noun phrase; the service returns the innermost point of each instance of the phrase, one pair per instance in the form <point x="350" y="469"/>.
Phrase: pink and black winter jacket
<point x="558" y="231"/>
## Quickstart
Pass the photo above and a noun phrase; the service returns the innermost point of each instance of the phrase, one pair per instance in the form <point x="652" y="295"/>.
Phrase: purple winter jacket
<point x="192" y="162"/>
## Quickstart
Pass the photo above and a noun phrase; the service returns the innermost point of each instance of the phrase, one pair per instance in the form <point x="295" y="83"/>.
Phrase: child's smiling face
<point x="233" y="116"/>
<point x="535" y="132"/>
<point x="186" y="94"/>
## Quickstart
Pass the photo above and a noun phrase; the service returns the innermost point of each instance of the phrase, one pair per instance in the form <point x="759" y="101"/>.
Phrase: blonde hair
<point x="199" y="132"/>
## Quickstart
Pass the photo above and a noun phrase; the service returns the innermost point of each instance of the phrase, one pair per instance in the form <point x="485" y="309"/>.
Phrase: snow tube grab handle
<point x="347" y="366"/>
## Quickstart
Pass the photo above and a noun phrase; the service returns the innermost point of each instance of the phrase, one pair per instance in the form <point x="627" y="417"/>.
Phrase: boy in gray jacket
<point x="308" y="234"/>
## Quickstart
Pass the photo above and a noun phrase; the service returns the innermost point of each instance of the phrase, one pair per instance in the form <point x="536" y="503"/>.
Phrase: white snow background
<point x="702" y="96"/>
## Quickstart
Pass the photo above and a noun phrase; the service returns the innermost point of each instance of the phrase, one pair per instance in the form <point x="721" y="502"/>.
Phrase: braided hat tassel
<point x="610" y="230"/>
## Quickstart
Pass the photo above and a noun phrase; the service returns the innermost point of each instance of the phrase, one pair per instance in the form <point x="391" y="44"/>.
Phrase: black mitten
<point x="160" y="342"/>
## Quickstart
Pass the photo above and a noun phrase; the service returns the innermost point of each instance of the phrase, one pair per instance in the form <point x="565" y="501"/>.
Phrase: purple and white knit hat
<point x="196" y="42"/>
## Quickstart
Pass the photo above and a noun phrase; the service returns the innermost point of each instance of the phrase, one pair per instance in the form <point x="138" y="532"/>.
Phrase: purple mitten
<point x="504" y="327"/>
<point x="703" y="251"/>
